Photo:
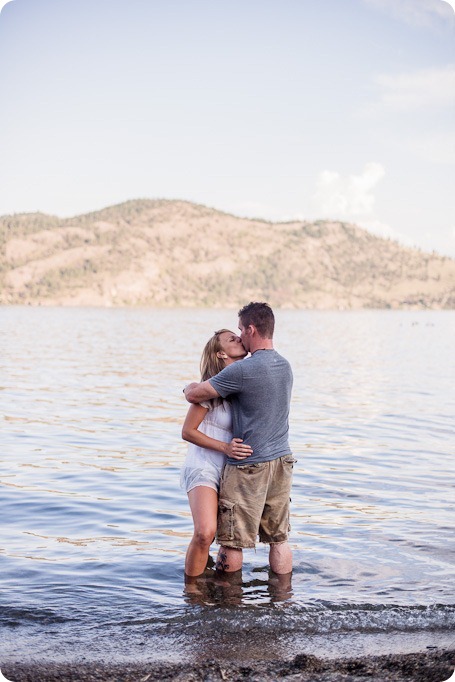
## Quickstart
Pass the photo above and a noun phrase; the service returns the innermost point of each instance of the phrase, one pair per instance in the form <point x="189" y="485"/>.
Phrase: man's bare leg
<point x="229" y="559"/>
<point x="280" y="558"/>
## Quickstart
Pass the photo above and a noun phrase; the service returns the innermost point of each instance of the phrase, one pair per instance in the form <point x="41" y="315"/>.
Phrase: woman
<point x="208" y="429"/>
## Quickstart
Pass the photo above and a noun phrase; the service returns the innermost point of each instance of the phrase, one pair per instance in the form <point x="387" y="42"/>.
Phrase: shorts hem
<point x="231" y="545"/>
<point x="212" y="486"/>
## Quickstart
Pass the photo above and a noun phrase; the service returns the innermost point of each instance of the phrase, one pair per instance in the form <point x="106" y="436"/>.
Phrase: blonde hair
<point x="211" y="364"/>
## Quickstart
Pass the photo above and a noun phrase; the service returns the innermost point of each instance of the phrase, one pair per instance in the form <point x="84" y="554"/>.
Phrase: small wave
<point x="11" y="616"/>
<point x="324" y="618"/>
<point x="319" y="618"/>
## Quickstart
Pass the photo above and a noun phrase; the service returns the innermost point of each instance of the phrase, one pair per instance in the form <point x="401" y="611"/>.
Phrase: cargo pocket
<point x="225" y="530"/>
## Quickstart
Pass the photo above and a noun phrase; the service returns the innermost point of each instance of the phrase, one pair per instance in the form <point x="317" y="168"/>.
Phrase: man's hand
<point x="188" y="387"/>
<point x="237" y="449"/>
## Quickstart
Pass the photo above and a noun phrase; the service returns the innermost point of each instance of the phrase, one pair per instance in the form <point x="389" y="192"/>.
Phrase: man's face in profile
<point x="244" y="336"/>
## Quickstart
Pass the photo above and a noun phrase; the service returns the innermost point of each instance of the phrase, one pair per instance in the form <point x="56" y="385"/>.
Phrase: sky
<point x="275" y="109"/>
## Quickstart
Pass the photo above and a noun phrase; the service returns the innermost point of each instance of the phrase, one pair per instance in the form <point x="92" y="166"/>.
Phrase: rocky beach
<point x="432" y="666"/>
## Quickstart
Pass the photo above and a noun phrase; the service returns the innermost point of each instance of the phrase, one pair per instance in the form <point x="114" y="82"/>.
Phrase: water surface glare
<point x="94" y="523"/>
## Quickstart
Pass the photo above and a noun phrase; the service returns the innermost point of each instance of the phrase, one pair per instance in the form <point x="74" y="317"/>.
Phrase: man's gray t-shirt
<point x="259" y="389"/>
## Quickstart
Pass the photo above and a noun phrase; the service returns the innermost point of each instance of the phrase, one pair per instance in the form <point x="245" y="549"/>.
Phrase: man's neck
<point x="261" y="344"/>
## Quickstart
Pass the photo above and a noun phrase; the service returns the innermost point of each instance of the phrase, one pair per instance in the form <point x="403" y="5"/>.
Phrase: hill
<point x="175" y="253"/>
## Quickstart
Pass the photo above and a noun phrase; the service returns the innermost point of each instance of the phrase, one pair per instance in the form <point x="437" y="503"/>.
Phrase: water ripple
<point x="95" y="525"/>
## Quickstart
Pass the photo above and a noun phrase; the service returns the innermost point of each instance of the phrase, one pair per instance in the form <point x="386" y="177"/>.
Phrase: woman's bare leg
<point x="204" y="508"/>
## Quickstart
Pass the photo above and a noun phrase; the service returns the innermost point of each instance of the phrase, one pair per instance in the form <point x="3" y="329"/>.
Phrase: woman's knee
<point x="204" y="535"/>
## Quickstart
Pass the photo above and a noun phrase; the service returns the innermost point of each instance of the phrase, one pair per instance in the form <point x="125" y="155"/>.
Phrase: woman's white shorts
<point x="209" y="476"/>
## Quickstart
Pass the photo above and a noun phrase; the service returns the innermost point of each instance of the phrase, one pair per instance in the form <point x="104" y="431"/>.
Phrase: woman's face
<point x="232" y="346"/>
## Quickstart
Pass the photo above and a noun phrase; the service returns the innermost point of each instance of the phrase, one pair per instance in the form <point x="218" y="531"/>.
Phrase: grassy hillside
<point x="174" y="253"/>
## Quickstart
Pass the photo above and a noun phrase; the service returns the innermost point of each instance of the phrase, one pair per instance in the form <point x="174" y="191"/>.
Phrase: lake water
<point x="95" y="526"/>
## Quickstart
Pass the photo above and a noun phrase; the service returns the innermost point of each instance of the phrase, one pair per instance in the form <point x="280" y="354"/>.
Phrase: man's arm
<point x="197" y="393"/>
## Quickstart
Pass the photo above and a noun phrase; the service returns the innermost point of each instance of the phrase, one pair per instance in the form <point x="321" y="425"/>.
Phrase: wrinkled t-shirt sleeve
<point x="207" y="404"/>
<point x="229" y="380"/>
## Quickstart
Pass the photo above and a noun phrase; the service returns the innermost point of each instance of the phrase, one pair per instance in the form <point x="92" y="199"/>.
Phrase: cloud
<point x="426" y="88"/>
<point x="425" y="13"/>
<point x="348" y="197"/>
<point x="352" y="199"/>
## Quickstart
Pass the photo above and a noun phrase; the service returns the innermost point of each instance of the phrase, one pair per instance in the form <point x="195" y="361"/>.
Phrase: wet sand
<point x="432" y="666"/>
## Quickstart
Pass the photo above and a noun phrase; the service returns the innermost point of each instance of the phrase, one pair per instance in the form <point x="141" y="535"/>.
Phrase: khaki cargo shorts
<point x="254" y="499"/>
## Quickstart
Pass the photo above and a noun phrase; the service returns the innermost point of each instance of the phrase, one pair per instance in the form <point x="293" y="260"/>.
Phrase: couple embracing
<point x="238" y="470"/>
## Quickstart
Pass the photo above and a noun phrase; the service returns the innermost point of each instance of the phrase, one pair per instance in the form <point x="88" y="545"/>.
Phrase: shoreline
<point x="430" y="666"/>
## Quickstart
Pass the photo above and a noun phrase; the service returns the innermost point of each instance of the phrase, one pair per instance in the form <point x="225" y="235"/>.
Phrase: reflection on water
<point x="95" y="525"/>
<point x="213" y="588"/>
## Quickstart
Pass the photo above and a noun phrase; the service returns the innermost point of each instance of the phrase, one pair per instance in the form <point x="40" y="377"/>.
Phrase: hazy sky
<point x="276" y="109"/>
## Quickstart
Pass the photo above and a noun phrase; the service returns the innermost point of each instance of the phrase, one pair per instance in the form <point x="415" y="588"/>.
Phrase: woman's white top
<point x="204" y="466"/>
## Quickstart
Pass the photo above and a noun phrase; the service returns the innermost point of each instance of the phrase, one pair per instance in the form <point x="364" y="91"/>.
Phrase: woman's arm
<point x="191" y="433"/>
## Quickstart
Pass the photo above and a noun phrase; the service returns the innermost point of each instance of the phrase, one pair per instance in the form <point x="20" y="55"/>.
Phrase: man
<point x="254" y="492"/>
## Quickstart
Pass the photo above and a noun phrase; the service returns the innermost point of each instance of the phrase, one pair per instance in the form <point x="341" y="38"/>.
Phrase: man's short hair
<point x="261" y="315"/>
